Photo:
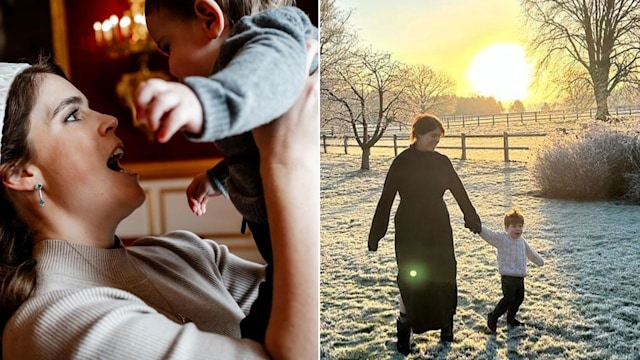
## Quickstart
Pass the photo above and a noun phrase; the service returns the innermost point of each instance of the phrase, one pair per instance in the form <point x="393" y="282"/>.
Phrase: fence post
<point x="478" y="120"/>
<point x="506" y="147"/>
<point x="462" y="120"/>
<point x="463" y="139"/>
<point x="507" y="119"/>
<point x="447" y="123"/>
<point x="345" y="144"/>
<point x="324" y="142"/>
<point x="521" y="118"/>
<point x="395" y="145"/>
<point x="535" y="116"/>
<point x="493" y="119"/>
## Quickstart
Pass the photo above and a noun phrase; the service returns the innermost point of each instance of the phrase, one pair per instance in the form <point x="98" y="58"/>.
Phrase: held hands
<point x="199" y="192"/>
<point x="167" y="107"/>
<point x="475" y="225"/>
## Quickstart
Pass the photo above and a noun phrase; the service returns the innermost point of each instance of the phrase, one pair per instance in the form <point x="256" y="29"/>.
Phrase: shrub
<point x="597" y="162"/>
<point x="632" y="178"/>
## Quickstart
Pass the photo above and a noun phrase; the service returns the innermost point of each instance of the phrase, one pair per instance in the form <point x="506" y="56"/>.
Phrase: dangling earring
<point x="39" y="188"/>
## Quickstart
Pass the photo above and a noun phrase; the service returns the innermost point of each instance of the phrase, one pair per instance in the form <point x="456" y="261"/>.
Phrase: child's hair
<point x="513" y="217"/>
<point x="424" y="123"/>
<point x="234" y="9"/>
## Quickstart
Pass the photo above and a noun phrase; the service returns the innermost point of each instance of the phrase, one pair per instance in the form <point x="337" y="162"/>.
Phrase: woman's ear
<point x="21" y="178"/>
<point x="211" y="16"/>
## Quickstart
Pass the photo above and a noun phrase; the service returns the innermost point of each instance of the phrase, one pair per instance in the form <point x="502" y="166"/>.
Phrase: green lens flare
<point x="413" y="273"/>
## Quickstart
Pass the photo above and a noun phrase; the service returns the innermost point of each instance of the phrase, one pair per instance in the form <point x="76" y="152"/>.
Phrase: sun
<point x="501" y="71"/>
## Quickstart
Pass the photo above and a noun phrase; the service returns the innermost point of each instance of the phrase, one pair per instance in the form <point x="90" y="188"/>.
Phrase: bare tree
<point x="576" y="90"/>
<point x="336" y="37"/>
<point x="428" y="91"/>
<point x="625" y="96"/>
<point x="364" y="92"/>
<point x="602" y="36"/>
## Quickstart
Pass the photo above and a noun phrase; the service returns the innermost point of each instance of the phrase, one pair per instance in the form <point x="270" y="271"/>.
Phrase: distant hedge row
<point x="601" y="161"/>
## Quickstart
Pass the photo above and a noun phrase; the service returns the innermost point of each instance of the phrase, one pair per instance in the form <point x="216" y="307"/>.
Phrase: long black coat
<point x="423" y="238"/>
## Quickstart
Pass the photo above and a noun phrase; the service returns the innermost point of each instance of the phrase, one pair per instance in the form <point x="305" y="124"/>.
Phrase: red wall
<point x="96" y="75"/>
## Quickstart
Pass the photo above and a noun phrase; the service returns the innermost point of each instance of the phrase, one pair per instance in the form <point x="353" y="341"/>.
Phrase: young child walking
<point x="513" y="252"/>
<point x="242" y="64"/>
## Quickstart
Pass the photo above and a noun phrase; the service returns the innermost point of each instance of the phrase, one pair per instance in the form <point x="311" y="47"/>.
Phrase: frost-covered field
<point x="584" y="303"/>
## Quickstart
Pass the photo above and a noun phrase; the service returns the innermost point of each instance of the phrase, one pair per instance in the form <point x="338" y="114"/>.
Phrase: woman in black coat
<point x="423" y="235"/>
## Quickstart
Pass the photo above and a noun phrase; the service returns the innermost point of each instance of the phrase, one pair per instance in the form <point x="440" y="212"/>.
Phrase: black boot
<point x="446" y="333"/>
<point x="404" y="337"/>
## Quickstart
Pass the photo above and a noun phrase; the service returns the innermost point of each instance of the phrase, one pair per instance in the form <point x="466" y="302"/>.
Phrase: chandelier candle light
<point x="128" y="36"/>
<point x="107" y="30"/>
<point x="125" y="35"/>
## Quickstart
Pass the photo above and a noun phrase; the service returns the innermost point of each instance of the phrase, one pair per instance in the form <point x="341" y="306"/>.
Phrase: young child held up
<point x="242" y="64"/>
<point x="513" y="252"/>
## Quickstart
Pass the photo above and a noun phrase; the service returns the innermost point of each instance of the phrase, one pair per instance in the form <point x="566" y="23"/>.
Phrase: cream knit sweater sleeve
<point x="533" y="255"/>
<point x="490" y="236"/>
<point x="107" y="323"/>
<point x="128" y="303"/>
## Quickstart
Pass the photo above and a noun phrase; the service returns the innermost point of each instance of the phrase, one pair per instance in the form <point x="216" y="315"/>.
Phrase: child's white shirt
<point x="512" y="253"/>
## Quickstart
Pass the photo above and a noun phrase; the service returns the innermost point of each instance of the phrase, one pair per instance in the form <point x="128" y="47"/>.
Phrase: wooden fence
<point x="505" y="148"/>
<point x="556" y="116"/>
<point x="527" y="118"/>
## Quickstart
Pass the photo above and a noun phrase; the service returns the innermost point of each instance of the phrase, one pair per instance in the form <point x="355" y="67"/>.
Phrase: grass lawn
<point x="584" y="303"/>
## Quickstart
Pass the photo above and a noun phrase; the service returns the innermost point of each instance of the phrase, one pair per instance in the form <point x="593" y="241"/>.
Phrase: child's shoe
<point x="404" y="336"/>
<point x="492" y="323"/>
<point x="514" y="322"/>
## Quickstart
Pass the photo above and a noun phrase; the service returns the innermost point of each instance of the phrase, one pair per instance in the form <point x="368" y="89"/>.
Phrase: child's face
<point x="190" y="49"/>
<point x="514" y="230"/>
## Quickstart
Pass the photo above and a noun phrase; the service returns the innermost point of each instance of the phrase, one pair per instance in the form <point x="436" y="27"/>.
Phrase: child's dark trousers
<point x="254" y="325"/>
<point x="512" y="297"/>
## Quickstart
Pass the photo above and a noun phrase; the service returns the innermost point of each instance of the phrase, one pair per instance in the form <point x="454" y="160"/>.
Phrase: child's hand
<point x="167" y="107"/>
<point x="199" y="192"/>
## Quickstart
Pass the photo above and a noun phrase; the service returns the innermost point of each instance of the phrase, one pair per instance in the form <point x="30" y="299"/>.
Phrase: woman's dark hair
<point x="424" y="123"/>
<point x="234" y="9"/>
<point x="17" y="266"/>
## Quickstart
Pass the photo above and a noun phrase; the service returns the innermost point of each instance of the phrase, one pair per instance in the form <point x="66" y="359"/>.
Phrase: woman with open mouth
<point x="70" y="290"/>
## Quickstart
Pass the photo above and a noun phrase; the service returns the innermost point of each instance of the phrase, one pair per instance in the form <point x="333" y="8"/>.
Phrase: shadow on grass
<point x="491" y="347"/>
<point x="514" y="336"/>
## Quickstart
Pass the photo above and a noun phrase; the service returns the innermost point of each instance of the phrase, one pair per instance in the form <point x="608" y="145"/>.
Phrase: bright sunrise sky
<point x="447" y="35"/>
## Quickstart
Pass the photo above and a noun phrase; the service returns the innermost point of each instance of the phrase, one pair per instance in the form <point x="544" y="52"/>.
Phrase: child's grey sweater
<point x="258" y="76"/>
<point x="512" y="253"/>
